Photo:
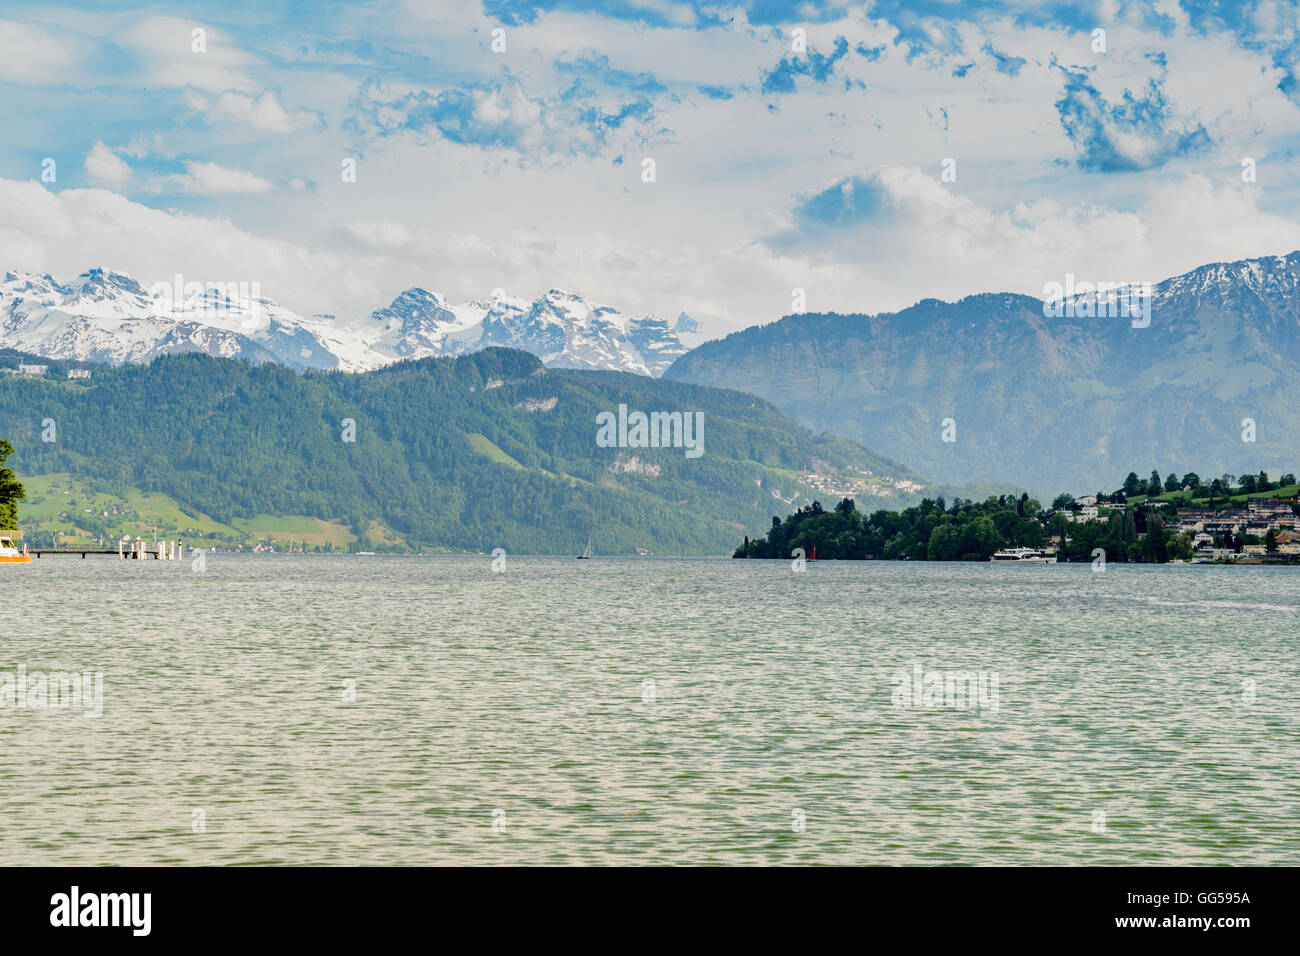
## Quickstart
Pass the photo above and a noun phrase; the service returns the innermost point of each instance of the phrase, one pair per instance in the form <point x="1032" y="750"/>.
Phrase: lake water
<point x="361" y="710"/>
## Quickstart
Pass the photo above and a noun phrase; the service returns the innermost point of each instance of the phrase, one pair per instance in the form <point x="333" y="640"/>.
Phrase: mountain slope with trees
<point x="484" y="451"/>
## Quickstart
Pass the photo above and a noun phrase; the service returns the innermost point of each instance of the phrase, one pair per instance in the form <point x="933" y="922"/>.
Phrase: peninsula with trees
<point x="1247" y="519"/>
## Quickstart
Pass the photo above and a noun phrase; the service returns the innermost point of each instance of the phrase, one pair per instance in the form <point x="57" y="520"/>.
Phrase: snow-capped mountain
<point x="563" y="329"/>
<point x="109" y="317"/>
<point x="420" y="323"/>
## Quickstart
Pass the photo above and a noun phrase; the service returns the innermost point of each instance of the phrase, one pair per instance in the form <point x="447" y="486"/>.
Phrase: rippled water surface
<point x="1164" y="698"/>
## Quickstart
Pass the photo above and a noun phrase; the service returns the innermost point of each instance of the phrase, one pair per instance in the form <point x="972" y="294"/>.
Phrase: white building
<point x="78" y="373"/>
<point x="32" y="369"/>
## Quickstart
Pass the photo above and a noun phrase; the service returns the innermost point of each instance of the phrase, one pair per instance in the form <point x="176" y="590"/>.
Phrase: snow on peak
<point x="108" y="316"/>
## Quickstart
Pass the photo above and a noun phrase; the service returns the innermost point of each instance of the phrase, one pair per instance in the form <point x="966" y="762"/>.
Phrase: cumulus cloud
<point x="208" y="178"/>
<point x="263" y="112"/>
<point x="905" y="236"/>
<point x="163" y="49"/>
<point x="67" y="232"/>
<point x="31" y="54"/>
<point x="105" y="167"/>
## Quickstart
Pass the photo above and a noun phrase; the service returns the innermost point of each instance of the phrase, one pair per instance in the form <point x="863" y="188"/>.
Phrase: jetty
<point x="138" y="550"/>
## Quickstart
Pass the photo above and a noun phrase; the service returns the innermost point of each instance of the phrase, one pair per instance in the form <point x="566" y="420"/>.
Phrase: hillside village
<point x="868" y="485"/>
<point x="1250" y="519"/>
<point x="1267" y="526"/>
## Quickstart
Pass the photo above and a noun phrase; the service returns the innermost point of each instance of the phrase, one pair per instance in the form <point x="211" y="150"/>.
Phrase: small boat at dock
<point x="9" y="553"/>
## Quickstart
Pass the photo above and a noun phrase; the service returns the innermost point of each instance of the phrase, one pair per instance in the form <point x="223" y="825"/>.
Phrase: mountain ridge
<point x="1040" y="400"/>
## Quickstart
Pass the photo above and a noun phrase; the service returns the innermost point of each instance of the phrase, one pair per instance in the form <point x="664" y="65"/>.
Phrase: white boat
<point x="1022" y="556"/>
<point x="9" y="553"/>
<point x="586" y="553"/>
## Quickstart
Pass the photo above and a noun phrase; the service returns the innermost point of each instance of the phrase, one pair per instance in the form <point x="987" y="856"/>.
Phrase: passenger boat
<point x="9" y="553"/>
<point x="1022" y="556"/>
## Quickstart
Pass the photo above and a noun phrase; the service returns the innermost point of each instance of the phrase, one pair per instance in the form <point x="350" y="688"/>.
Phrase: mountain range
<point x="107" y="316"/>
<point x="996" y="387"/>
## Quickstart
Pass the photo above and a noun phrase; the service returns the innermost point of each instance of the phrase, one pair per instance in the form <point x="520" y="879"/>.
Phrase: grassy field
<point x="485" y="447"/>
<point x="1286" y="491"/>
<point x="60" y="503"/>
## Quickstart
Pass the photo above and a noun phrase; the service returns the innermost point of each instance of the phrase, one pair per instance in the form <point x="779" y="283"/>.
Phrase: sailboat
<point x="586" y="552"/>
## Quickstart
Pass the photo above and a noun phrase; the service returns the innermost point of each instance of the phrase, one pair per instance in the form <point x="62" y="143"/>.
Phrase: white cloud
<point x="164" y="49"/>
<point x="33" y="55"/>
<point x="930" y="241"/>
<point x="67" y="232"/>
<point x="207" y="178"/>
<point x="105" y="167"/>
<point x="262" y="112"/>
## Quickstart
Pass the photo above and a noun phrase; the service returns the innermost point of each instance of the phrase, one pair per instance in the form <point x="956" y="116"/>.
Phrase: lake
<point x="431" y="710"/>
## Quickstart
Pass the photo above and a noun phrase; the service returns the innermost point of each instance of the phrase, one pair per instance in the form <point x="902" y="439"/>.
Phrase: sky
<point x="870" y="155"/>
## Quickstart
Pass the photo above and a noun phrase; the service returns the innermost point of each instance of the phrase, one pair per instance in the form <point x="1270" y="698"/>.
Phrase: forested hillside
<point x="486" y="451"/>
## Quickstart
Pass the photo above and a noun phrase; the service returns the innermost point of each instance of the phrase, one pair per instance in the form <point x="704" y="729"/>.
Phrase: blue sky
<point x="795" y="146"/>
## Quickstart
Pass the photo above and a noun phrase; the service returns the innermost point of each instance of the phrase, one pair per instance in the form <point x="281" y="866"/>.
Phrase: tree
<point x="1132" y="485"/>
<point x="945" y="543"/>
<point x="1270" y="541"/>
<point x="1062" y="502"/>
<point x="1060" y="527"/>
<point x="1154" y="485"/>
<point x="1153" y="545"/>
<point x="1180" y="547"/>
<point x="11" y="491"/>
<point x="1191" y="480"/>
<point x="1248" y="484"/>
<point x="980" y="538"/>
<point x="1171" y="483"/>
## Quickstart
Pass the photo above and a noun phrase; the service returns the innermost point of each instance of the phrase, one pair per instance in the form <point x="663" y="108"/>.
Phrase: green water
<point x="524" y="692"/>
